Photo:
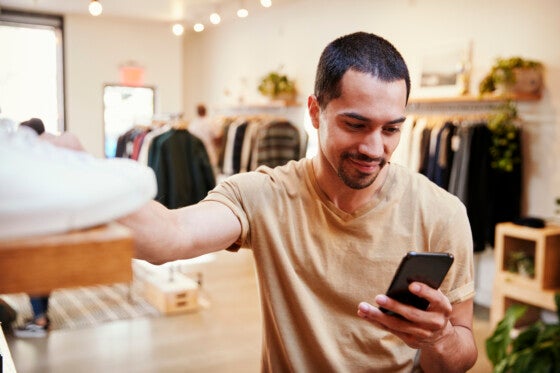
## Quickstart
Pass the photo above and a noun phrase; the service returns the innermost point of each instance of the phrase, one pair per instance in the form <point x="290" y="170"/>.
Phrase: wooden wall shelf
<point x="469" y="99"/>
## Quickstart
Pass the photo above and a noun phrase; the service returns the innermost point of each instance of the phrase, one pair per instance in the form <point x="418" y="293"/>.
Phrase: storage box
<point x="169" y="291"/>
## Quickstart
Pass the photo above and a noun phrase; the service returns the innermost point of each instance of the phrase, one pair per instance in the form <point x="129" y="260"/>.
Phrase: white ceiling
<point x="188" y="11"/>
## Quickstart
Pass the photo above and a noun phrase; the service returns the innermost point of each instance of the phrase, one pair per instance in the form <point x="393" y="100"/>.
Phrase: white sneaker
<point x="47" y="189"/>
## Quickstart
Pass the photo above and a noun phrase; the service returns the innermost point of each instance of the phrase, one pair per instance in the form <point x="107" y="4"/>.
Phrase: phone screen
<point x="428" y="268"/>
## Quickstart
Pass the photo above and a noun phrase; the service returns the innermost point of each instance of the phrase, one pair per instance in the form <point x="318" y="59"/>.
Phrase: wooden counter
<point x="39" y="265"/>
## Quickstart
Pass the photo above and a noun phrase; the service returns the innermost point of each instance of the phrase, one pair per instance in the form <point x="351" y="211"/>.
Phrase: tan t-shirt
<point x="315" y="263"/>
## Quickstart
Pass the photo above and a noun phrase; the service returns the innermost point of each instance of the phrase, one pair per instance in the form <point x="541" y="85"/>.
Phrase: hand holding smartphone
<point x="428" y="268"/>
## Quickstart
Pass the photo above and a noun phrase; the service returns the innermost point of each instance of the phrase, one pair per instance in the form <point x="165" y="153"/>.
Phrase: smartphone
<point x="428" y="268"/>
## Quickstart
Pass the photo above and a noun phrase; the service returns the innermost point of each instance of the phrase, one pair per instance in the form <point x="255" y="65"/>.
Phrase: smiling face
<point x="360" y="129"/>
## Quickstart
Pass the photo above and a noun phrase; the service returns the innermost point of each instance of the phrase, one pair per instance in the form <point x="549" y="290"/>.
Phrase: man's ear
<point x="314" y="110"/>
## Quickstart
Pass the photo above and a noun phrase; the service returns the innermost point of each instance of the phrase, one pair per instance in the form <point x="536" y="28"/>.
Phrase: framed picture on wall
<point x="444" y="70"/>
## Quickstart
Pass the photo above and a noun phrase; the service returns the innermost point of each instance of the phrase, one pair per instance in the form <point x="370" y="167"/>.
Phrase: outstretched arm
<point x="162" y="235"/>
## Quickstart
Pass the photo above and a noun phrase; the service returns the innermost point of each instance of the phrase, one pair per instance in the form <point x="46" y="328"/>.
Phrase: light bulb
<point x="242" y="13"/>
<point x="215" y="18"/>
<point x="95" y="8"/>
<point x="178" y="29"/>
<point x="266" y="3"/>
<point x="198" y="27"/>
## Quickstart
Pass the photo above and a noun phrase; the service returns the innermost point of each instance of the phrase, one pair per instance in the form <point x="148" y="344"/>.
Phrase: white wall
<point x="233" y="56"/>
<point x="94" y="50"/>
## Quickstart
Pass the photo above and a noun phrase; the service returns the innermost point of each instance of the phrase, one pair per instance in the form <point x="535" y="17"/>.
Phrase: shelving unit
<point x="466" y="103"/>
<point x="543" y="244"/>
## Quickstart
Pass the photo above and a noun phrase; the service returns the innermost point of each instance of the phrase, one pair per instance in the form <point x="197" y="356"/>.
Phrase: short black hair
<point x="35" y="124"/>
<point x="362" y="52"/>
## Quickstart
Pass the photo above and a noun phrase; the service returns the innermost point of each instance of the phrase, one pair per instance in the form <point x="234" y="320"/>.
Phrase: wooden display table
<point x="39" y="265"/>
<point x="543" y="244"/>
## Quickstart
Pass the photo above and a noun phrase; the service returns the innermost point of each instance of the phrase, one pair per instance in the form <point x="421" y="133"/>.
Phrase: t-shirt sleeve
<point x="455" y="237"/>
<point x="229" y="194"/>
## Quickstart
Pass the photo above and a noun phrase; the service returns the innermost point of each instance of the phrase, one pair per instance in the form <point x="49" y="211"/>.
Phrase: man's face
<point x="359" y="130"/>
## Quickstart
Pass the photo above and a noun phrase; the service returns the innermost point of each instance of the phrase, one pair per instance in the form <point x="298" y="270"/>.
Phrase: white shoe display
<point x="48" y="189"/>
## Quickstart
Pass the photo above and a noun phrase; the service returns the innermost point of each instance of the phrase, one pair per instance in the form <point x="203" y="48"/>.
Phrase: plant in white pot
<point x="278" y="86"/>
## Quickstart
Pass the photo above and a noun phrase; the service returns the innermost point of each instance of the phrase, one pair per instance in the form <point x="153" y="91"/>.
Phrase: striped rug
<point x="86" y="306"/>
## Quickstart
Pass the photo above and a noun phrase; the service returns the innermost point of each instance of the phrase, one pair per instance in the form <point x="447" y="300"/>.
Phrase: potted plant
<point x="504" y="149"/>
<point x="513" y="75"/>
<point x="535" y="349"/>
<point x="278" y="86"/>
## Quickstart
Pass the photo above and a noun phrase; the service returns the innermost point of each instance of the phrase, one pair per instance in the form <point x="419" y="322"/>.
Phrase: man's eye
<point x="392" y="129"/>
<point x="355" y="126"/>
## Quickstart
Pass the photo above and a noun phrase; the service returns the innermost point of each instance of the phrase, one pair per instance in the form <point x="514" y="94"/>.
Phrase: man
<point x="38" y="325"/>
<point x="208" y="132"/>
<point x="327" y="234"/>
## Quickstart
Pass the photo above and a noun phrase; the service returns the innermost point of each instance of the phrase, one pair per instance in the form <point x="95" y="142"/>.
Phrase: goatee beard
<point x="359" y="180"/>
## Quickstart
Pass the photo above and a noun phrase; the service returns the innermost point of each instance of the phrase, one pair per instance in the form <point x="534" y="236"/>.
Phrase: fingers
<point x="65" y="140"/>
<point x="438" y="302"/>
<point x="414" y="326"/>
<point x="431" y="328"/>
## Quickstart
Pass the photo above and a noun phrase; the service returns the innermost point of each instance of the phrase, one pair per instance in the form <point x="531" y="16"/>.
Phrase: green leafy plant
<point x="520" y="262"/>
<point x="503" y="72"/>
<point x="504" y="150"/>
<point x="536" y="349"/>
<point x="276" y="84"/>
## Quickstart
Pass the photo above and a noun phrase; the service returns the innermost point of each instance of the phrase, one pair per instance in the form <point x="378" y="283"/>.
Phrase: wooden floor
<point x="224" y="337"/>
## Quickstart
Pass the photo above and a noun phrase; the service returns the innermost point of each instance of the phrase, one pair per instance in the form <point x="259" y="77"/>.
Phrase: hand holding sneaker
<point x="65" y="140"/>
<point x="47" y="189"/>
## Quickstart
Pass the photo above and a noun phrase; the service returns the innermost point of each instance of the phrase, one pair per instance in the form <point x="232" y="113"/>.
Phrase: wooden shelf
<point x="469" y="99"/>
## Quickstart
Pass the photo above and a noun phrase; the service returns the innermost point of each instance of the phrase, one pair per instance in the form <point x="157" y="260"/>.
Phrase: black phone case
<point x="428" y="268"/>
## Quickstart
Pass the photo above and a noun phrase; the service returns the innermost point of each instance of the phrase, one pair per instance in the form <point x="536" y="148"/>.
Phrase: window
<point x="31" y="68"/>
<point x="123" y="108"/>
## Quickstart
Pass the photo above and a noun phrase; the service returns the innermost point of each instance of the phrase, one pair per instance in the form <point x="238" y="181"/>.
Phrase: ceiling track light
<point x="198" y="27"/>
<point x="215" y="18"/>
<point x="266" y="3"/>
<point x="242" y="12"/>
<point x="178" y="29"/>
<point x="95" y="8"/>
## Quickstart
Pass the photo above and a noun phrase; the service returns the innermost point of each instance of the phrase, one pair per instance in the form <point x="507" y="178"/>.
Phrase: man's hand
<point x="65" y="140"/>
<point x="417" y="328"/>
<point x="443" y="332"/>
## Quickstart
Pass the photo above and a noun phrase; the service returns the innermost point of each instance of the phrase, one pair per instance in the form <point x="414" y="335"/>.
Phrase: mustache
<point x="362" y="157"/>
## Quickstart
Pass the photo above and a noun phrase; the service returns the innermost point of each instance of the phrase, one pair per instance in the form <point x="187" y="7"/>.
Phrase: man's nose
<point x="372" y="145"/>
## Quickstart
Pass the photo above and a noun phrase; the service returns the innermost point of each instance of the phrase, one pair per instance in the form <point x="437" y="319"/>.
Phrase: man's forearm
<point x="155" y="232"/>
<point x="162" y="235"/>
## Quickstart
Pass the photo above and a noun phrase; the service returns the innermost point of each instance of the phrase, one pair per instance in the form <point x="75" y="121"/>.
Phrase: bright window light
<point x="28" y="88"/>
